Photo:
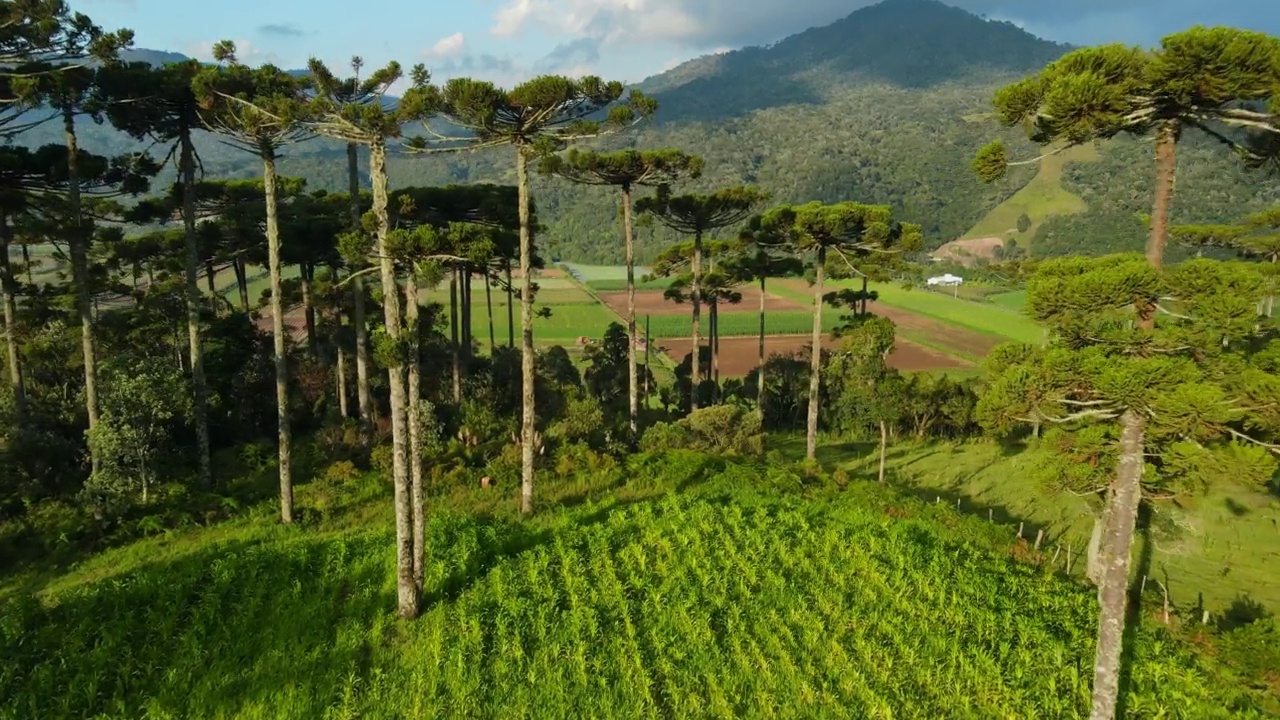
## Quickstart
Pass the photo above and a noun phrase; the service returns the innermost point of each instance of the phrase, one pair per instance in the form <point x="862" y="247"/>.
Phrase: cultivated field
<point x="652" y="302"/>
<point x="740" y="355"/>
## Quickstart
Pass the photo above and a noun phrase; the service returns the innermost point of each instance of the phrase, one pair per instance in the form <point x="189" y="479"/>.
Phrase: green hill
<point x="888" y="105"/>
<point x="750" y="592"/>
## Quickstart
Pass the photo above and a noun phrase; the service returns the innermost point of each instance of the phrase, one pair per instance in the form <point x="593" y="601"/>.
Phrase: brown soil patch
<point x="295" y="322"/>
<point x="966" y="252"/>
<point x="739" y="355"/>
<point x="651" y="302"/>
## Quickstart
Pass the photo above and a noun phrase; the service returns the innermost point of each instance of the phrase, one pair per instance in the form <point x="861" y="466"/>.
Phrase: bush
<point x="382" y="461"/>
<point x="721" y="430"/>
<point x="665" y="436"/>
<point x="343" y="471"/>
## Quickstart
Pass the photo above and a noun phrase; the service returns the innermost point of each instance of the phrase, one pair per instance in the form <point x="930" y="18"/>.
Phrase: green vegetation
<point x="1040" y="199"/>
<point x="633" y="602"/>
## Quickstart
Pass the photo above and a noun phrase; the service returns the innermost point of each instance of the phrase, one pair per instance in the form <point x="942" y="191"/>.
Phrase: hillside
<point x="749" y="592"/>
<point x="887" y="105"/>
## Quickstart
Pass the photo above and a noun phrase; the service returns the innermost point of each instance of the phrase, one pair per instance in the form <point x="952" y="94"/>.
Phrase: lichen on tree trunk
<point x="364" y="398"/>
<point x="279" y="345"/>
<point x="406" y="588"/>
<point x="1113" y="565"/>
<point x="415" y="429"/>
<point x="815" y="358"/>
<point x="527" y="415"/>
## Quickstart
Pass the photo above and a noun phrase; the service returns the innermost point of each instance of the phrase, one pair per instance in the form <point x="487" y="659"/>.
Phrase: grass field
<point x="1210" y="550"/>
<point x="677" y="586"/>
<point x="1040" y="199"/>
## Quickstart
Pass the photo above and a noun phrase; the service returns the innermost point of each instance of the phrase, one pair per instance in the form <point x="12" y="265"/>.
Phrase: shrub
<point x="342" y="471"/>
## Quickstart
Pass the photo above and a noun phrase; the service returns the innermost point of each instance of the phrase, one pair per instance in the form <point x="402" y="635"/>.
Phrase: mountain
<point x="888" y="105"/>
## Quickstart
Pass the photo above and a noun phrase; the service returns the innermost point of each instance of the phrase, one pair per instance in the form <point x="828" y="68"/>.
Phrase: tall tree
<point x="353" y="94"/>
<point x="1177" y="403"/>
<point x="1207" y="79"/>
<point x="160" y="104"/>
<point x="260" y="111"/>
<point x="626" y="170"/>
<point x="1203" y="79"/>
<point x="698" y="215"/>
<point x="759" y="262"/>
<point x="844" y="229"/>
<point x="371" y="124"/>
<point x="536" y="118"/>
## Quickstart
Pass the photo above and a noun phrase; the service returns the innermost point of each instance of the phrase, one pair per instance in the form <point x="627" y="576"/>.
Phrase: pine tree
<point x="160" y="104"/>
<point x="260" y="111"/>
<point x="844" y="229"/>
<point x="1202" y="79"/>
<point x="371" y="124"/>
<point x="626" y="170"/>
<point x="1176" y="403"/>
<point x="537" y="117"/>
<point x="698" y="215"/>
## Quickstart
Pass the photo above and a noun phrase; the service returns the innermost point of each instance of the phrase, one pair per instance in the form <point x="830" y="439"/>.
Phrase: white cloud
<point x="447" y="47"/>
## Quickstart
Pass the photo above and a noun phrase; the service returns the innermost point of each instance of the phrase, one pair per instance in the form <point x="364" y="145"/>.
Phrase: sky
<point x="507" y="41"/>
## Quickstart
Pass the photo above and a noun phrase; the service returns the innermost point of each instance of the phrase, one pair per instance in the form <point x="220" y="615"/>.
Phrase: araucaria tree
<point x="1206" y="79"/>
<point x="160" y="104"/>
<point x="626" y="170"/>
<point x="1176" y="402"/>
<point x="698" y="215"/>
<point x="352" y="93"/>
<point x="844" y="229"/>
<point x="259" y="111"/>
<point x="371" y="124"/>
<point x="1256" y="237"/>
<point x="537" y="118"/>
<point x="758" y="262"/>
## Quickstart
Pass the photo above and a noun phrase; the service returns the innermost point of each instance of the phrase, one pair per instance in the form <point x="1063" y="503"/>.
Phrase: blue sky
<point x="509" y="40"/>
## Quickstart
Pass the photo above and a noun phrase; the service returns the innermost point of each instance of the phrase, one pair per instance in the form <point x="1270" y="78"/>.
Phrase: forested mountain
<point x="887" y="105"/>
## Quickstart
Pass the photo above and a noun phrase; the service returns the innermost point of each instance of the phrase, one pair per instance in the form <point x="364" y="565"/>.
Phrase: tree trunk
<point x="26" y="264"/>
<point x="1166" y="165"/>
<point x="815" y="364"/>
<point x="511" y="309"/>
<point x="187" y="169"/>
<point x="526" y="335"/>
<point x="211" y="277"/>
<point x="696" y="299"/>
<point x="884" y="445"/>
<point x="78" y="240"/>
<point x="364" y="397"/>
<point x="468" y="319"/>
<point x="415" y="429"/>
<point x="760" y="371"/>
<point x="406" y="588"/>
<point x="633" y="389"/>
<point x="306" y="275"/>
<point x="714" y="307"/>
<point x="8" y="286"/>
<point x="340" y="348"/>
<point x="488" y="306"/>
<point x="1113" y="590"/>
<point x="278" y="338"/>
<point x="454" y="338"/>
<point x="242" y="282"/>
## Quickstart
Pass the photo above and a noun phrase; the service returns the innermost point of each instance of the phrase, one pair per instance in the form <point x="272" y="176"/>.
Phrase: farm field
<point x="740" y="355"/>
<point x="738" y="595"/>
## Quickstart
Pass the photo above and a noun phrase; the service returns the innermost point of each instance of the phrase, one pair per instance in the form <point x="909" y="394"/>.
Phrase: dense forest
<point x="281" y="434"/>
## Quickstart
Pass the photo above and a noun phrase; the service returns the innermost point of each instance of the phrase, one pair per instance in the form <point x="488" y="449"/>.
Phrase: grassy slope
<point x="1210" y="551"/>
<point x="1040" y="199"/>
<point x="679" y="587"/>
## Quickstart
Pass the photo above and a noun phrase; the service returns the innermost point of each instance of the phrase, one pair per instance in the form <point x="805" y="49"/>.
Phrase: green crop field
<point x="740" y="323"/>
<point x="742" y="596"/>
<point x="986" y="317"/>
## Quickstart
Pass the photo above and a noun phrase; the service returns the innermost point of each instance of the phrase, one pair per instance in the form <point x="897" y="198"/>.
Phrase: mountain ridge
<point x="887" y="105"/>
